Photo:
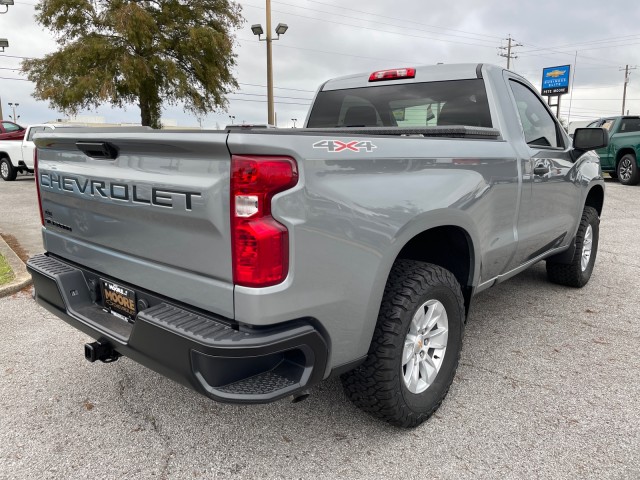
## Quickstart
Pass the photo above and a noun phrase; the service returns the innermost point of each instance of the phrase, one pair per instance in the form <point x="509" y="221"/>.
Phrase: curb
<point x="22" y="278"/>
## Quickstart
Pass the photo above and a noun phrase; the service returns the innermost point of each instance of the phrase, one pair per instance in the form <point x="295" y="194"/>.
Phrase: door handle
<point x="98" y="150"/>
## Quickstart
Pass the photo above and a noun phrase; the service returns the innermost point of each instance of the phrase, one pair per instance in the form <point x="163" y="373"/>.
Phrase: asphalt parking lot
<point x="547" y="388"/>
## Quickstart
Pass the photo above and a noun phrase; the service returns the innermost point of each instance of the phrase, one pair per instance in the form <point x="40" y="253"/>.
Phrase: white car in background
<point x="17" y="156"/>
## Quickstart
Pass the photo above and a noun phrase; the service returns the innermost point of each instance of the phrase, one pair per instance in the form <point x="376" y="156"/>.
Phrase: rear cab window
<point x="453" y="102"/>
<point x="35" y="130"/>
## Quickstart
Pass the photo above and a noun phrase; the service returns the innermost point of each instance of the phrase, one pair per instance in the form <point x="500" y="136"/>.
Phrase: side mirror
<point x="585" y="139"/>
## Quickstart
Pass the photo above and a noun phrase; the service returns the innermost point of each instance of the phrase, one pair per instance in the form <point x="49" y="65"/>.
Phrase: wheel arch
<point x="448" y="246"/>
<point x="625" y="151"/>
<point x="7" y="156"/>
<point x="595" y="198"/>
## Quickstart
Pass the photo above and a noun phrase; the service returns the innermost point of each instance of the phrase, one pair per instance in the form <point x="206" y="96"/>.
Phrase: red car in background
<point x="11" y="131"/>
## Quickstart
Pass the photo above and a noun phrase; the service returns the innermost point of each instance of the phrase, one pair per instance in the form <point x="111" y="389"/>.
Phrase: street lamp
<point x="13" y="107"/>
<point x="232" y="118"/>
<point x="4" y="43"/>
<point x="280" y="30"/>
<point x="294" y="120"/>
<point x="5" y="3"/>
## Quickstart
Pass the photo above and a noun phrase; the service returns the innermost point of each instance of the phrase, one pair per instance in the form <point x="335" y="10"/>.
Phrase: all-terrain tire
<point x="377" y="386"/>
<point x="576" y="274"/>
<point x="627" y="170"/>
<point x="7" y="170"/>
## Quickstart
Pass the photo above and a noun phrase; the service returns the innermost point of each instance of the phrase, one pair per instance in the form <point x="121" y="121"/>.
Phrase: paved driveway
<point x="548" y="388"/>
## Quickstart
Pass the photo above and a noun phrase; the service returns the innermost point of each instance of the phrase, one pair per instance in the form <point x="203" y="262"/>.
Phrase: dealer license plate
<point x="119" y="301"/>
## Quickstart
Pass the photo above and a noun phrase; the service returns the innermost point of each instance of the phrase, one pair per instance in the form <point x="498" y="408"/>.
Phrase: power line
<point x="329" y="52"/>
<point x="280" y="88"/>
<point x="341" y="8"/>
<point x="572" y="45"/>
<point x="333" y="22"/>
<point x="342" y="15"/>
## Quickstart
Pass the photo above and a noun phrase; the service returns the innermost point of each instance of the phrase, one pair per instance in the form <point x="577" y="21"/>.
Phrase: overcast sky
<point x="327" y="39"/>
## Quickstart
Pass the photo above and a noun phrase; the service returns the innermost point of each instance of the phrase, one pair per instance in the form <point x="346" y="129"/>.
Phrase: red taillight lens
<point x="392" y="74"/>
<point x="35" y="172"/>
<point x="260" y="243"/>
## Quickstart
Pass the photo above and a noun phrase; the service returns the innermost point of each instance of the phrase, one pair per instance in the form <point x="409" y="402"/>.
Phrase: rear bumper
<point x="211" y="355"/>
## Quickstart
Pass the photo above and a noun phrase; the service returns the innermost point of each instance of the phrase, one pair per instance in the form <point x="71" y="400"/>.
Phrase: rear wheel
<point x="578" y="272"/>
<point x="7" y="170"/>
<point x="415" y="348"/>
<point x="628" y="170"/>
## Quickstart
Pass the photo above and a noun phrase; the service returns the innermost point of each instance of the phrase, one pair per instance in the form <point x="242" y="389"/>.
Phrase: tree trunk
<point x="150" y="105"/>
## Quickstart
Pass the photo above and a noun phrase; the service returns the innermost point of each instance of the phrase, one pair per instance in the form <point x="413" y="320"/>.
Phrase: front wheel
<point x="415" y="347"/>
<point x="7" y="170"/>
<point x="578" y="272"/>
<point x="627" y="170"/>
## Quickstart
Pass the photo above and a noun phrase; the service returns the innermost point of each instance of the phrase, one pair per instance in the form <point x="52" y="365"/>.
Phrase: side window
<point x="539" y="126"/>
<point x="10" y="127"/>
<point x="630" y="125"/>
<point x="608" y="124"/>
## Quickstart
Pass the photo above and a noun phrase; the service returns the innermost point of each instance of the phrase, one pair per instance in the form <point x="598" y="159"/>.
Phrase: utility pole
<point x="1" y="117"/>
<point x="626" y="82"/>
<point x="510" y="46"/>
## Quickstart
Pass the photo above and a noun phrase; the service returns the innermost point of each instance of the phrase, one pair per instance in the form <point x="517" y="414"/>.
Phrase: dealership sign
<point x="555" y="80"/>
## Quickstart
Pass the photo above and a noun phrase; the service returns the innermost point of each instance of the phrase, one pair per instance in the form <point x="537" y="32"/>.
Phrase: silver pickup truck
<point x="250" y="264"/>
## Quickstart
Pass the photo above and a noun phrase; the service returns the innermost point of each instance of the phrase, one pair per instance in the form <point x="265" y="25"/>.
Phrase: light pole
<point x="232" y="118"/>
<point x="13" y="107"/>
<point x="5" y="4"/>
<point x="4" y="43"/>
<point x="281" y="29"/>
<point x="294" y="120"/>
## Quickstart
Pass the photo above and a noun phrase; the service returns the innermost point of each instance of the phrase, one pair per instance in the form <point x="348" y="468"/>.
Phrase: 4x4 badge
<point x="335" y="146"/>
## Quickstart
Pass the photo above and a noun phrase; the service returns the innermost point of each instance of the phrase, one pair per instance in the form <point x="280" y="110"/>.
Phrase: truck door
<point x="550" y="197"/>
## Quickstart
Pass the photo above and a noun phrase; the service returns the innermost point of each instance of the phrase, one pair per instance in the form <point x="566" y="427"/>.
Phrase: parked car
<point x="621" y="158"/>
<point x="11" y="131"/>
<point x="17" y="157"/>
<point x="252" y="263"/>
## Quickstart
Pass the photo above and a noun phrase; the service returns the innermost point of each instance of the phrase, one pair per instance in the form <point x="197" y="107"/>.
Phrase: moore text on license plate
<point x="119" y="301"/>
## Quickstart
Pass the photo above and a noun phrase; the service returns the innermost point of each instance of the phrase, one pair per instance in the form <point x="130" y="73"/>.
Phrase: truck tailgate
<point x="157" y="215"/>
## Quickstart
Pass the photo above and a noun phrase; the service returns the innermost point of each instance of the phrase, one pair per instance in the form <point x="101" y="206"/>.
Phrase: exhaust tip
<point x="300" y="396"/>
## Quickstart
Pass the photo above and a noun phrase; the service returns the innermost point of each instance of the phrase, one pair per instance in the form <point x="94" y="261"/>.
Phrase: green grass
<point x="6" y="274"/>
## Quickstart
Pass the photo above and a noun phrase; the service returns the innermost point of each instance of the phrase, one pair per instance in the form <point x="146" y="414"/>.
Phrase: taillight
<point x="392" y="74"/>
<point x="35" y="172"/>
<point x="260" y="243"/>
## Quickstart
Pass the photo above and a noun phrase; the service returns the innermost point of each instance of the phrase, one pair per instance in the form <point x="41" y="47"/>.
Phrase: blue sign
<point x="555" y="80"/>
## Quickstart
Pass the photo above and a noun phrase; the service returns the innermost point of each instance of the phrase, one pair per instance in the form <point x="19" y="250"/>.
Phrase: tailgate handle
<point x="99" y="150"/>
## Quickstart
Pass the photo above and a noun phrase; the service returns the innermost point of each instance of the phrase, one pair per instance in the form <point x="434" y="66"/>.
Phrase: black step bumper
<point x="209" y="354"/>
